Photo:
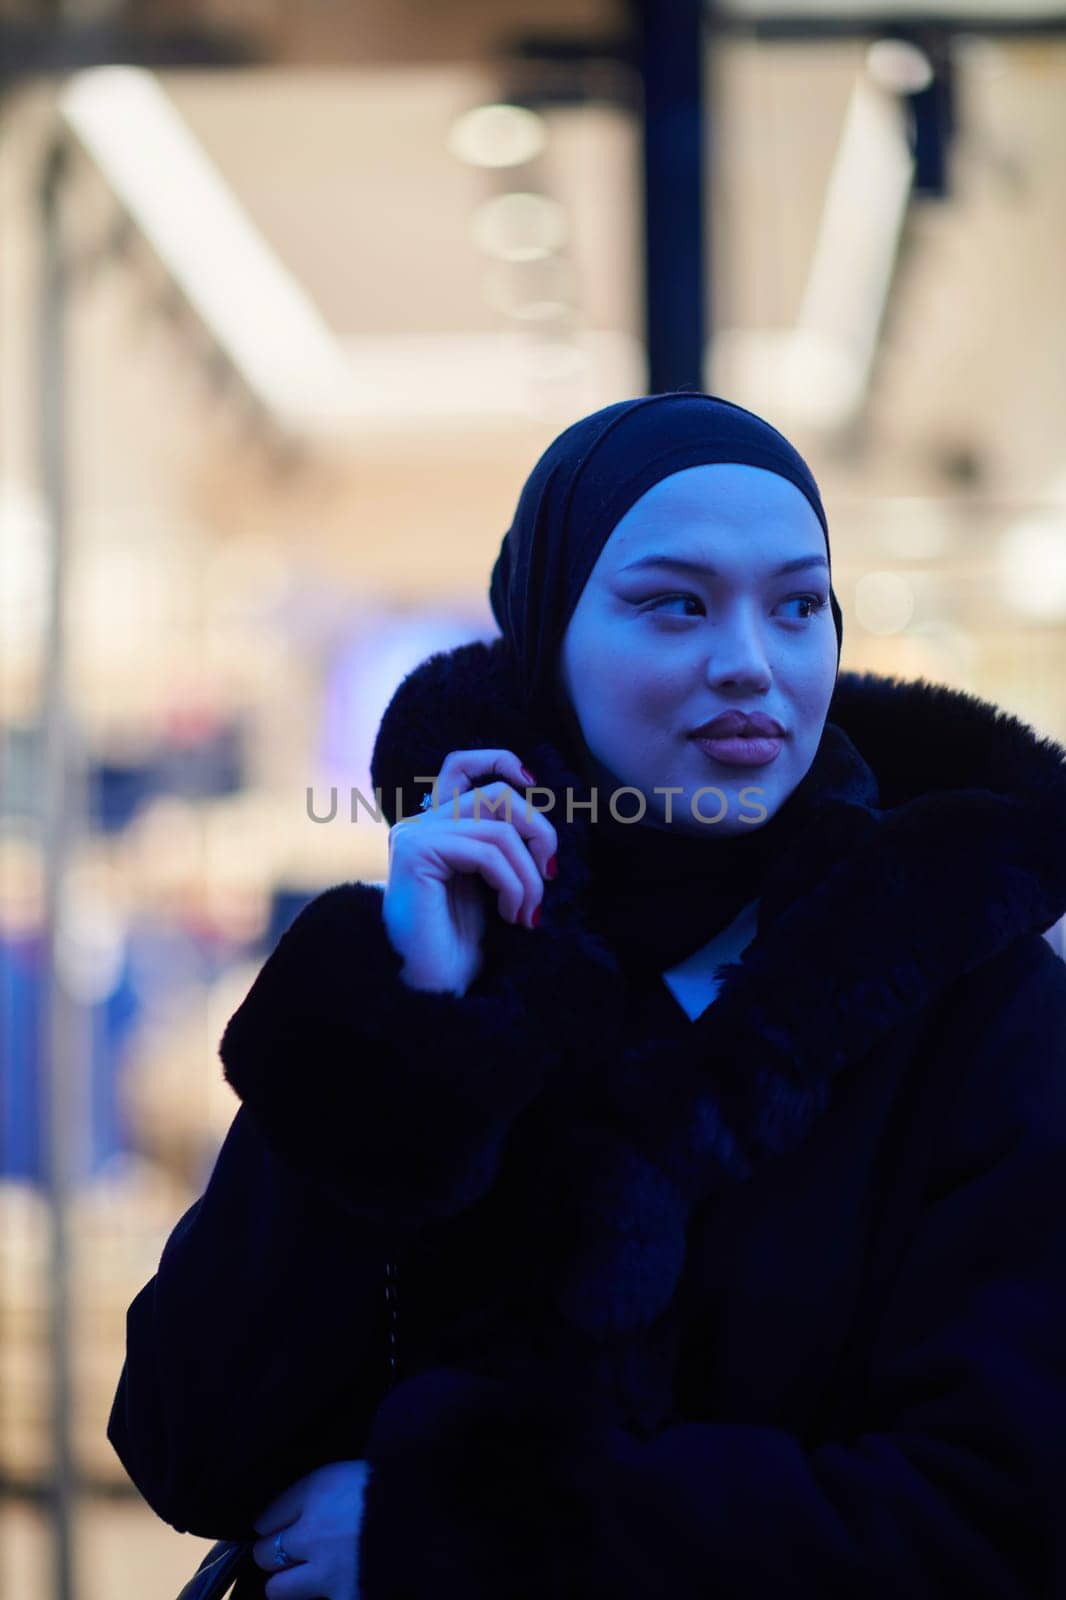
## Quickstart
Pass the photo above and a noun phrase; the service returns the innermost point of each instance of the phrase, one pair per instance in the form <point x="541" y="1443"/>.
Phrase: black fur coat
<point x="768" y="1303"/>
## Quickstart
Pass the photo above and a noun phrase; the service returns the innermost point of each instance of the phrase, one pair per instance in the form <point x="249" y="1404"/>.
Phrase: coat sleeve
<point x="952" y="1480"/>
<point x="396" y="1100"/>
<point x="257" y="1350"/>
<point x="369" y="1109"/>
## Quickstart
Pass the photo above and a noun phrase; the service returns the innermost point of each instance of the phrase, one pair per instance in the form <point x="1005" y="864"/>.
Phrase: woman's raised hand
<point x="442" y="867"/>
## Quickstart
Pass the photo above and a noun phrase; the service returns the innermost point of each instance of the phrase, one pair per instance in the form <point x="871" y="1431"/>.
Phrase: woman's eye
<point x="814" y="602"/>
<point x="672" y="599"/>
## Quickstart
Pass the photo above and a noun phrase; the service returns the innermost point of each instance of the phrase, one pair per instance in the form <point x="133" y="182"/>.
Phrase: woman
<point x="721" y="1151"/>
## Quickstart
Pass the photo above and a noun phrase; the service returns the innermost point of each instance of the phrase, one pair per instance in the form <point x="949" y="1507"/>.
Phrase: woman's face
<point x="654" y="649"/>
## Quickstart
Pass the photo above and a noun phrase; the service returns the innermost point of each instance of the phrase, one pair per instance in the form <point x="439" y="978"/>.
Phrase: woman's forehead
<point x="710" y="506"/>
<point x="718" y="488"/>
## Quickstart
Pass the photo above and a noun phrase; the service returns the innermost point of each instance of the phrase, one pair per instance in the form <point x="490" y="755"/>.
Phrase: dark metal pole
<point x="58" y="1064"/>
<point x="670" y="56"/>
<point x="933" y="119"/>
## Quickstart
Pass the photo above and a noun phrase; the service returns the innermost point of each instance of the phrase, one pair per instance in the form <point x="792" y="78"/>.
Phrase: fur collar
<point x="942" y="844"/>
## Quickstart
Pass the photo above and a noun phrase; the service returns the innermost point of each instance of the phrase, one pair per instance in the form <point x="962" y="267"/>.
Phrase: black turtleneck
<point x="659" y="893"/>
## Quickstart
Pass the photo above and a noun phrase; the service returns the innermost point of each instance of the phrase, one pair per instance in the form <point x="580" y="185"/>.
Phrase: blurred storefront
<point x="329" y="279"/>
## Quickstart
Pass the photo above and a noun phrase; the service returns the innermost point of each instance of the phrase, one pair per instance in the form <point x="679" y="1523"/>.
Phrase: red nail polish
<point x="552" y="867"/>
<point x="530" y="779"/>
<point x="535" y="918"/>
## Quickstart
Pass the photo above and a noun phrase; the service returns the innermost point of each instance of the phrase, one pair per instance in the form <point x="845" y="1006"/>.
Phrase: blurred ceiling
<point x="349" y="178"/>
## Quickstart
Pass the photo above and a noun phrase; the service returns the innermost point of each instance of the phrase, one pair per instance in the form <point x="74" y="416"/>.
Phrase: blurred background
<point x="292" y="295"/>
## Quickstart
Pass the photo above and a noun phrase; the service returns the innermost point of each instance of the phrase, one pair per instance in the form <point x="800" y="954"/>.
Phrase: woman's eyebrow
<point x="678" y="564"/>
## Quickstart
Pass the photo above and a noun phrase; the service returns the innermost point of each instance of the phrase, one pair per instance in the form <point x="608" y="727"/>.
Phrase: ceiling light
<point x="512" y="285"/>
<point x="884" y="602"/>
<point x="1032" y="567"/>
<point x="519" y="227"/>
<point x="253" y="307"/>
<point x="497" y="136"/>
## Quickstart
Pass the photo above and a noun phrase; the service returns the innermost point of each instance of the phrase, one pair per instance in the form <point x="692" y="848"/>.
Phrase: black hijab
<point x="659" y="892"/>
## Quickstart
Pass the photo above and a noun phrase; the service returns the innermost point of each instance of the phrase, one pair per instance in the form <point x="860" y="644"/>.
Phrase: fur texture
<point x="947" y="846"/>
<point x="941" y="856"/>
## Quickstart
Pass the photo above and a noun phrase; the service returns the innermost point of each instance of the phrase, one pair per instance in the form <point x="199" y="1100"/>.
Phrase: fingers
<point x="492" y="850"/>
<point x="462" y="768"/>
<point x="455" y="794"/>
<point x="481" y="828"/>
<point x="293" y="1583"/>
<point x="265" y="1550"/>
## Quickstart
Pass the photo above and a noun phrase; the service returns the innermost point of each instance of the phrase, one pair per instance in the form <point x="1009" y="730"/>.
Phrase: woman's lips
<point x="740" y="752"/>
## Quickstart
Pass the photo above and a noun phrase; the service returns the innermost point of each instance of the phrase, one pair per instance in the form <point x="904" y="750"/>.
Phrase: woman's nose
<point x="738" y="655"/>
